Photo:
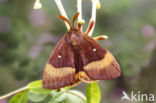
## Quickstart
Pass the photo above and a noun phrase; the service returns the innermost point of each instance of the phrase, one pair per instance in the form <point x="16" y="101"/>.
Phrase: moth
<point x="78" y="57"/>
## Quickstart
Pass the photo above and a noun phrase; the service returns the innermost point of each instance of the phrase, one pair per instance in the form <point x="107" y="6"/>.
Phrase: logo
<point x="140" y="97"/>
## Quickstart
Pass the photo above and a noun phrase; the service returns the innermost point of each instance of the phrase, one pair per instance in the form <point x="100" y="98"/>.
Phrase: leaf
<point x="67" y="87"/>
<point x="21" y="97"/>
<point x="58" y="99"/>
<point x="93" y="93"/>
<point x="74" y="96"/>
<point x="36" y="97"/>
<point x="36" y="86"/>
<point x="57" y="96"/>
<point x="67" y="96"/>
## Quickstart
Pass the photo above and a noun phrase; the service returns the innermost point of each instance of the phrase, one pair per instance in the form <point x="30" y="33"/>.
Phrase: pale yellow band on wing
<point x="58" y="72"/>
<point x="105" y="62"/>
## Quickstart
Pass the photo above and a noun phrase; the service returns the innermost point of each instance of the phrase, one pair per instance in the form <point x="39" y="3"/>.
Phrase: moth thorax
<point x="75" y="40"/>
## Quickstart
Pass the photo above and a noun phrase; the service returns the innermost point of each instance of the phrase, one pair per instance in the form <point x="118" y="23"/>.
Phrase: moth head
<point x="74" y="38"/>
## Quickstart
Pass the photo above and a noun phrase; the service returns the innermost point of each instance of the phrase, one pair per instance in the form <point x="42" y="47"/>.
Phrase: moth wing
<point x="59" y="71"/>
<point x="99" y="64"/>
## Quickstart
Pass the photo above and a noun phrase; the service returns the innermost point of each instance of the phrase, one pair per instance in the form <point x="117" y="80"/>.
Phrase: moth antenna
<point x="75" y="17"/>
<point x="65" y="19"/>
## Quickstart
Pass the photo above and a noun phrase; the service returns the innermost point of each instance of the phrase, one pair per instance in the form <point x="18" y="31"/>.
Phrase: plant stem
<point x="14" y="92"/>
<point x="62" y="11"/>
<point x="79" y="9"/>
<point x="93" y="17"/>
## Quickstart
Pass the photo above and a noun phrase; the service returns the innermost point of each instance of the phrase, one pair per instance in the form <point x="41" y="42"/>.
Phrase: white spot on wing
<point x="94" y="50"/>
<point x="59" y="56"/>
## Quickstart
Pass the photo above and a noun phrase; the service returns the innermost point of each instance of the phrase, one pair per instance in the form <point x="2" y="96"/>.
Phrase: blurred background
<point x="28" y="36"/>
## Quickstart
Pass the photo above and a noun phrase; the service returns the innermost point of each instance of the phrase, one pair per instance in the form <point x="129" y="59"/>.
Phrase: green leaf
<point x="74" y="96"/>
<point x="36" y="86"/>
<point x="58" y="99"/>
<point x="21" y="97"/>
<point x="36" y="97"/>
<point x="67" y="96"/>
<point x="93" y="93"/>
<point x="57" y="96"/>
<point x="67" y="87"/>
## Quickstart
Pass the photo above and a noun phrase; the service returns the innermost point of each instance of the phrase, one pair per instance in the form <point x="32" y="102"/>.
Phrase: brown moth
<point x="78" y="57"/>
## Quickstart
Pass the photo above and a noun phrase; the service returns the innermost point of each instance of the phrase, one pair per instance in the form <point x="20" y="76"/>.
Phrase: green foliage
<point x="74" y="96"/>
<point x="36" y="97"/>
<point x="21" y="97"/>
<point x="36" y="93"/>
<point x="36" y="86"/>
<point x="58" y="96"/>
<point x="67" y="96"/>
<point x="93" y="93"/>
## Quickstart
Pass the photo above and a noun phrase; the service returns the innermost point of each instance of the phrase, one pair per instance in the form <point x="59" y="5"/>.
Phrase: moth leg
<point x="103" y="37"/>
<point x="83" y="77"/>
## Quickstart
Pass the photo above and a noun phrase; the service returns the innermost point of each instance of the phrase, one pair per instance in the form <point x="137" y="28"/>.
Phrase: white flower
<point x="37" y="5"/>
